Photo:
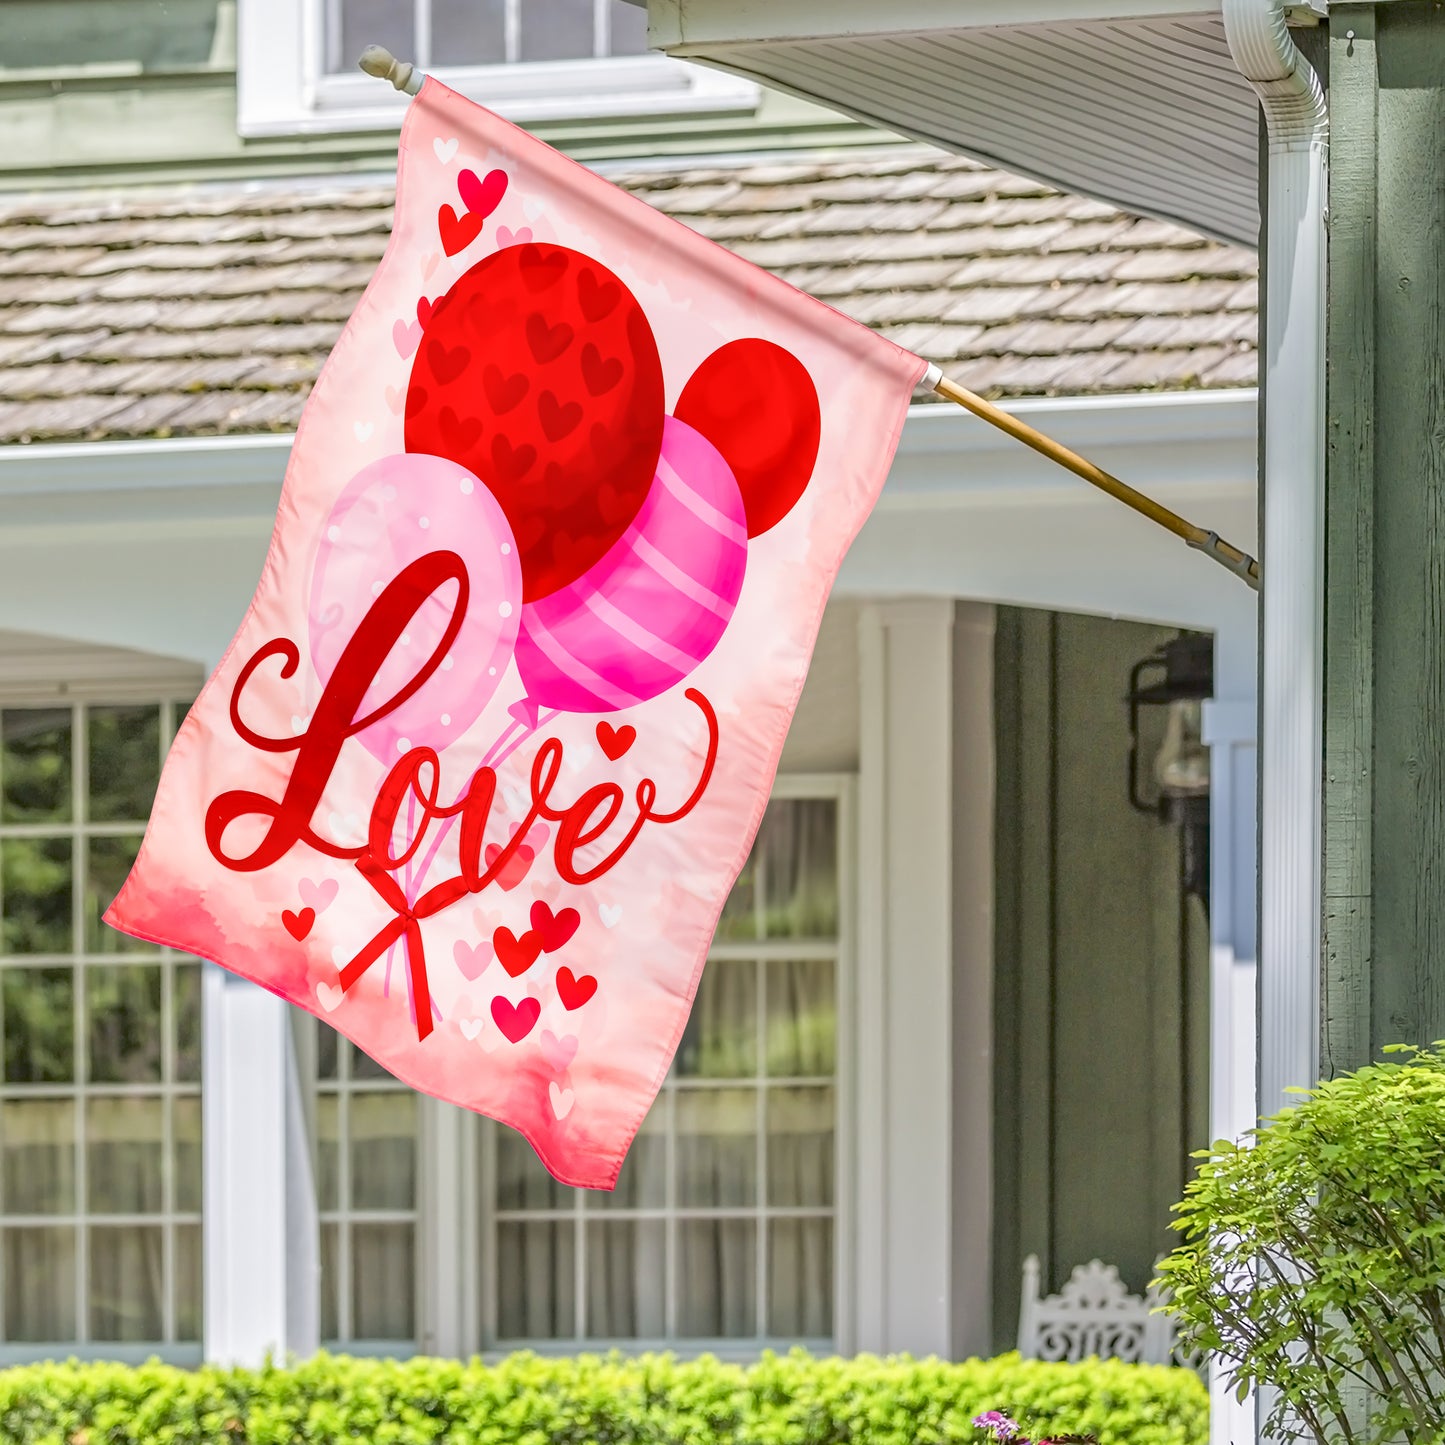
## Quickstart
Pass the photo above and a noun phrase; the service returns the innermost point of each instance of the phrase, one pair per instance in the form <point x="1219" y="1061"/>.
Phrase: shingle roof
<point x="211" y="309"/>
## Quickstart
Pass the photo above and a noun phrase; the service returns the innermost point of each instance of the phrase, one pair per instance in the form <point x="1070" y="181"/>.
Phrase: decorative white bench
<point x="1095" y="1315"/>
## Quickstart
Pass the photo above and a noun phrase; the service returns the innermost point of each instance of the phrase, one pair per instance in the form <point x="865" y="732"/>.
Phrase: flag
<point x="491" y="745"/>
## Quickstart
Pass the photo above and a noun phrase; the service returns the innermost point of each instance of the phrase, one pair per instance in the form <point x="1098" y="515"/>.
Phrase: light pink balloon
<point x="393" y="512"/>
<point x="641" y="619"/>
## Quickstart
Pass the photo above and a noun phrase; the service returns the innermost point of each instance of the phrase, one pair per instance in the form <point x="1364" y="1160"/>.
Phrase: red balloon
<point x="538" y="373"/>
<point x="756" y="403"/>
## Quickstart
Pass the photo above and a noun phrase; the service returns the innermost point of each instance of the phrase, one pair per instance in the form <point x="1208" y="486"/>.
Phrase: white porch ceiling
<point x="1146" y="112"/>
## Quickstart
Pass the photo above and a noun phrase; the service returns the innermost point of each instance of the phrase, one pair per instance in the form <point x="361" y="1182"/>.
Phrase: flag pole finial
<point x="378" y="61"/>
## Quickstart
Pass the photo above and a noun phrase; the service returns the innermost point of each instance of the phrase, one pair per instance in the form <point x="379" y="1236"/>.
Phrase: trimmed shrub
<point x="595" y="1400"/>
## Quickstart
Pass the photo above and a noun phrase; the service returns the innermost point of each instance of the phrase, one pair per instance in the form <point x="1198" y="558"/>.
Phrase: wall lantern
<point x="1173" y="785"/>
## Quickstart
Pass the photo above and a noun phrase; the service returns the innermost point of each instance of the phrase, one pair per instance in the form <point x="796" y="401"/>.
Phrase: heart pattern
<point x="574" y="991"/>
<point x="406" y="338"/>
<point x="318" y="895"/>
<point x="615" y="741"/>
<point x="471" y="958"/>
<point x="506" y="236"/>
<point x="329" y="995"/>
<point x="515" y="954"/>
<point x="558" y="1052"/>
<point x="470" y="1028"/>
<point x="561" y="1100"/>
<point x="610" y="914"/>
<point x="298" y="925"/>
<point x="445" y="150"/>
<point x="515" y="868"/>
<point x="481" y="196"/>
<point x="553" y="929"/>
<point x="516" y="1021"/>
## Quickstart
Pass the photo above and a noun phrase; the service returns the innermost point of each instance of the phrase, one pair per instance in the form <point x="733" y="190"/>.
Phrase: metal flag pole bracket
<point x="378" y="61"/>
<point x="1230" y="557"/>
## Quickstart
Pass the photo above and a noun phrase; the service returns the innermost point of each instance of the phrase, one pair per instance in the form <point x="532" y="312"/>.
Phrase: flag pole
<point x="1210" y="543"/>
<point x="377" y="60"/>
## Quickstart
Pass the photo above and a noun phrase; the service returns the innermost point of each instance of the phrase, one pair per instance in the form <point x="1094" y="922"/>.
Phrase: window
<point x="366" y="1188"/>
<point x="100" y="1108"/>
<point x="721" y="1229"/>
<point x="95" y="38"/>
<point x="530" y="60"/>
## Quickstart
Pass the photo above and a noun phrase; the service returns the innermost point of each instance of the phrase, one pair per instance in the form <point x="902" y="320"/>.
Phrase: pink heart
<point x="558" y="1052"/>
<point x="395" y="396"/>
<point x="482" y="197"/>
<point x="536" y="839"/>
<point x="318" y="895"/>
<point x="506" y="236"/>
<point x="515" y="1022"/>
<point x="472" y="958"/>
<point x="429" y="264"/>
<point x="407" y="338"/>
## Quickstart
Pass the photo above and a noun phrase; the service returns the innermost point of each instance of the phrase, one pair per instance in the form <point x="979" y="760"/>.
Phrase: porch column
<point x="262" y="1260"/>
<point x="900" y="1248"/>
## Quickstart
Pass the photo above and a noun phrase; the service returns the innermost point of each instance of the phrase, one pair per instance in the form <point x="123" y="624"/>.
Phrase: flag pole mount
<point x="1210" y="543"/>
<point x="378" y="61"/>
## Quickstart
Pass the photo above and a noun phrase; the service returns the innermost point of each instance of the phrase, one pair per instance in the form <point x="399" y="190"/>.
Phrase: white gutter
<point x="1291" y="762"/>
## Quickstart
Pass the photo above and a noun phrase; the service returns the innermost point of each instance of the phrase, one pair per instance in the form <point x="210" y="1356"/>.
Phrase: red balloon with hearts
<point x="538" y="372"/>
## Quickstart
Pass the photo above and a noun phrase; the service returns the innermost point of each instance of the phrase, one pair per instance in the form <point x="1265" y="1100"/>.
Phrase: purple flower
<point x="997" y="1423"/>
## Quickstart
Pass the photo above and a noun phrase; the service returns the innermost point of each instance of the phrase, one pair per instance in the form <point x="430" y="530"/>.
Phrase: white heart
<point x="341" y="955"/>
<point x="471" y="1028"/>
<point x="299" y="724"/>
<point x="363" y="430"/>
<point x="610" y="914"/>
<point x="531" y="208"/>
<point x="344" y="823"/>
<point x="331" y="995"/>
<point x="580" y="757"/>
<point x="445" y="149"/>
<point x="562" y="1099"/>
<point x="490" y="1042"/>
<point x="516" y="798"/>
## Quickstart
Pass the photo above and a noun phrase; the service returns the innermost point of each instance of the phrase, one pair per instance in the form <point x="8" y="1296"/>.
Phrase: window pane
<point x="35" y="878"/>
<point x="126" y="1291"/>
<point x="39" y="1008"/>
<point x="186" y="1121"/>
<point x="800" y="1278"/>
<point x="717" y="1285"/>
<point x="383" y="1282"/>
<point x="330" y="1282"/>
<point x="40" y="1285"/>
<point x="800" y="1146"/>
<point x="800" y="868"/>
<point x="739" y="920"/>
<point x="188" y="1281"/>
<point x="124" y="1143"/>
<point x="557" y="30"/>
<point x="626" y="1279"/>
<point x="123" y="1023"/>
<point x="628" y="24"/>
<point x="468" y="32"/>
<point x="373" y="22"/>
<point x="108" y="862"/>
<point x="802" y="1025"/>
<point x="642" y="1184"/>
<point x="383" y="1151"/>
<point x="522" y="1181"/>
<point x="125" y="762"/>
<point x="328" y="1043"/>
<point x="39" y="1155"/>
<point x="133" y="34"/>
<point x="536" y="1281"/>
<point x="717" y="1156"/>
<point x="186" y="996"/>
<point x="328" y="1152"/>
<point x="35" y="770"/>
<point x="364" y="1067"/>
<point x="721" y="1037"/>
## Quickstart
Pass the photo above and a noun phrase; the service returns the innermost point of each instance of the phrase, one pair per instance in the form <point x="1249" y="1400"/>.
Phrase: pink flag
<point x="492" y="742"/>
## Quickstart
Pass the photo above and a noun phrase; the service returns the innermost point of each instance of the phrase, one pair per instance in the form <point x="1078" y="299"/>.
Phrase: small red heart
<point x="515" y="1022"/>
<point x="482" y="197"/>
<point x="298" y="925"/>
<point x="554" y="929"/>
<point x="515" y="954"/>
<point x="558" y="418"/>
<point x="574" y="991"/>
<point x="423" y="310"/>
<point x="504" y="392"/>
<point x="515" y="868"/>
<point x="615" y="741"/>
<point x="547" y="342"/>
<point x="457" y="232"/>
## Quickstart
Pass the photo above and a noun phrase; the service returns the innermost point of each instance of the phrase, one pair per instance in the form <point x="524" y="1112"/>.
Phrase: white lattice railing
<point x="1095" y="1315"/>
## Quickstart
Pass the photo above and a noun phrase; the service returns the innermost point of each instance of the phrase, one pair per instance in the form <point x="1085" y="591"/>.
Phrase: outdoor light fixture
<point x="1176" y="789"/>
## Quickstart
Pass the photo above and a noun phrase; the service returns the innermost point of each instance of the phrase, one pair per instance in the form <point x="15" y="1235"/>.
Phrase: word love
<point x="587" y="842"/>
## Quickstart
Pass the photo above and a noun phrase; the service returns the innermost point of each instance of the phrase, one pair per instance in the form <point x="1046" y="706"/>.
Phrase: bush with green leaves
<point x="1314" y="1257"/>
<point x="592" y="1400"/>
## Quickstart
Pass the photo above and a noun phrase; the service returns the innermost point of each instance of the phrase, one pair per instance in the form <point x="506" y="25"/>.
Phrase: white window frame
<point x="78" y="677"/>
<point x="282" y="87"/>
<point x="841" y="788"/>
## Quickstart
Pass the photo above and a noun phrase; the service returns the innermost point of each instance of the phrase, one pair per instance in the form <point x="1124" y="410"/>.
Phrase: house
<point x="966" y="1003"/>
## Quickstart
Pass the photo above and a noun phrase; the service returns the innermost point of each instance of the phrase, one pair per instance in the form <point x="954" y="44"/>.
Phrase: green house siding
<point x="1101" y="1065"/>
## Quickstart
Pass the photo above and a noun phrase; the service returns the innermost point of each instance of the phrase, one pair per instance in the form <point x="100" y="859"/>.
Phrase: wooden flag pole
<point x="1211" y="543"/>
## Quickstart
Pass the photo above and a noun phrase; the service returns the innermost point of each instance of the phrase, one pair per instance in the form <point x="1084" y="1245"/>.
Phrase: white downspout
<point x="1293" y="343"/>
<point x="1292" y="547"/>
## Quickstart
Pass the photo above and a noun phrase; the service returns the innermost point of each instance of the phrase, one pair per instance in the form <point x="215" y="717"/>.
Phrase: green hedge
<point x="589" y="1400"/>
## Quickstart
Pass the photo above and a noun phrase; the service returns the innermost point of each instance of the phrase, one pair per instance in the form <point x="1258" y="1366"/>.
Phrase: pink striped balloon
<point x="642" y="618"/>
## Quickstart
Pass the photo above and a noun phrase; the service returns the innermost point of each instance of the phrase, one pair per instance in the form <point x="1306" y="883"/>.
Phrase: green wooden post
<point x="1383" y="977"/>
